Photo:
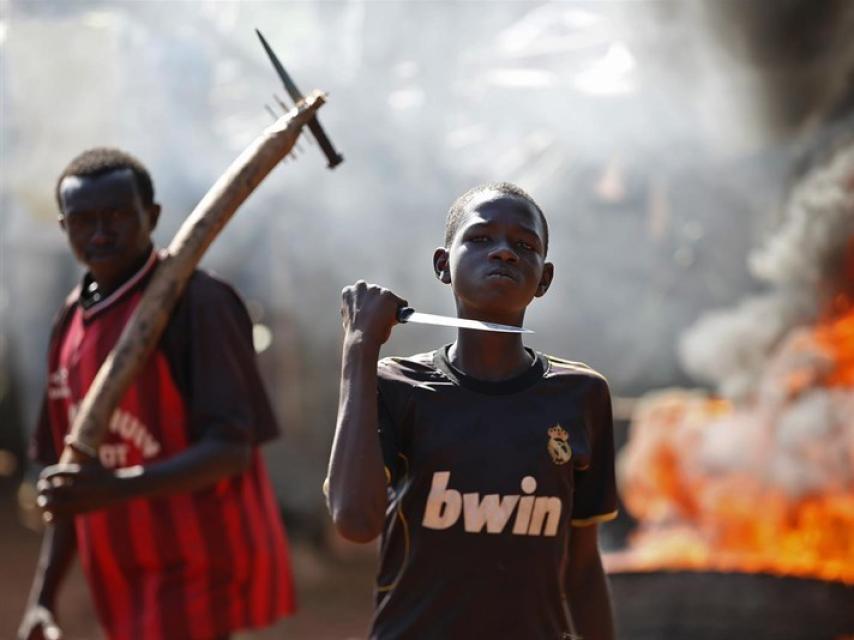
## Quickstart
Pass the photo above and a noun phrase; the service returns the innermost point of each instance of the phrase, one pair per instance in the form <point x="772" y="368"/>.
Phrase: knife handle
<point x="403" y="313"/>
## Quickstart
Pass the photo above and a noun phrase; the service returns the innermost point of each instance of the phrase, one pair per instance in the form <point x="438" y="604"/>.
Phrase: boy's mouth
<point x="102" y="253"/>
<point x="501" y="274"/>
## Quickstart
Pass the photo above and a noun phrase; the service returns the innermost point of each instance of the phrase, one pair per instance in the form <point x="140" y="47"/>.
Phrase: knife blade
<point x="408" y="314"/>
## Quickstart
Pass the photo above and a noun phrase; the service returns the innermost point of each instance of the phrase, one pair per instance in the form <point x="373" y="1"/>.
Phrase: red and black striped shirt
<point x="188" y="565"/>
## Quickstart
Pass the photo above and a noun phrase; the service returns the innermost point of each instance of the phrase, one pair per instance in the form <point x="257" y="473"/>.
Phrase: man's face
<point x="496" y="260"/>
<point x="108" y="226"/>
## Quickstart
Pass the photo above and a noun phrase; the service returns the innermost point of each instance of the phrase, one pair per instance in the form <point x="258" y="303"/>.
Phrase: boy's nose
<point x="102" y="230"/>
<point x="504" y="253"/>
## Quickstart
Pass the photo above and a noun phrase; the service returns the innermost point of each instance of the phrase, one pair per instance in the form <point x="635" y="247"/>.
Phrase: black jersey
<point x="485" y="480"/>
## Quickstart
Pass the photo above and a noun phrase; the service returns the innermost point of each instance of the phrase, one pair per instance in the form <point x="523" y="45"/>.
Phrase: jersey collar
<point x="518" y="383"/>
<point x="91" y="306"/>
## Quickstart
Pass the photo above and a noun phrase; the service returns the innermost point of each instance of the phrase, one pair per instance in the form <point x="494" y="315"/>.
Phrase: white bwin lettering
<point x="443" y="507"/>
<point x="535" y="516"/>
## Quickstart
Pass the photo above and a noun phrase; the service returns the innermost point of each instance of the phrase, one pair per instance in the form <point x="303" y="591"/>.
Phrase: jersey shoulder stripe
<point x="418" y="360"/>
<point x="563" y="366"/>
<point x="410" y="370"/>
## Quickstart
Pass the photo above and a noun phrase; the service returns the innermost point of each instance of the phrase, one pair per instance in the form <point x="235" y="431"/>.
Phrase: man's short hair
<point x="461" y="204"/>
<point x="102" y="160"/>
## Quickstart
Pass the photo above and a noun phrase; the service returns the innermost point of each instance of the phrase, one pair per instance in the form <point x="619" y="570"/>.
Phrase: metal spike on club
<point x="317" y="131"/>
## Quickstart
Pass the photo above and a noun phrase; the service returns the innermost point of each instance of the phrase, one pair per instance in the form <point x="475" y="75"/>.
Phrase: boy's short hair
<point x="102" y="160"/>
<point x="460" y="206"/>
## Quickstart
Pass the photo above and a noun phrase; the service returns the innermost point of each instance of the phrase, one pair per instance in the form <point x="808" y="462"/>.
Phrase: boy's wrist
<point x="357" y="343"/>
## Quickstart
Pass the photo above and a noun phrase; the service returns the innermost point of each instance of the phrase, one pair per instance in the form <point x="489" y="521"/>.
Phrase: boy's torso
<point x="482" y="479"/>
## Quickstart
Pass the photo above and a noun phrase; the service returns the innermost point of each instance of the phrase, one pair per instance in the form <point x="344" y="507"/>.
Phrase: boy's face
<point x="108" y="226"/>
<point x="496" y="262"/>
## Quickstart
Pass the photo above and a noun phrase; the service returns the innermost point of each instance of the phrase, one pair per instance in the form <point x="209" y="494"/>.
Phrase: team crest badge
<point x="559" y="448"/>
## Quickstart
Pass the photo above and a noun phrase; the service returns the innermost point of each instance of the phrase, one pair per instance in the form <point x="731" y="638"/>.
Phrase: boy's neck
<point x="107" y="284"/>
<point x="489" y="356"/>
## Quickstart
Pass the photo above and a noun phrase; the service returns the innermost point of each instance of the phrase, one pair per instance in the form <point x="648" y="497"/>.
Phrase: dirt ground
<point x="333" y="589"/>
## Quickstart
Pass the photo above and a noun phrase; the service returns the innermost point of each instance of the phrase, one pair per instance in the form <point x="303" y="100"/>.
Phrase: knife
<point x="408" y="314"/>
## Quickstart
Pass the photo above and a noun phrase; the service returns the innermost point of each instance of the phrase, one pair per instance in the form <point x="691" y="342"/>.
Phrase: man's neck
<point x="106" y="285"/>
<point x="489" y="356"/>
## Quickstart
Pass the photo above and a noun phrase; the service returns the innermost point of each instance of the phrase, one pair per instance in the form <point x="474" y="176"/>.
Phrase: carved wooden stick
<point x="149" y="319"/>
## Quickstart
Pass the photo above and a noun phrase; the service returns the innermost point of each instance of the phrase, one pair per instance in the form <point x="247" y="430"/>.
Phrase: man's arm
<point x="356" y="482"/>
<point x="57" y="551"/>
<point x="586" y="586"/>
<point x="70" y="489"/>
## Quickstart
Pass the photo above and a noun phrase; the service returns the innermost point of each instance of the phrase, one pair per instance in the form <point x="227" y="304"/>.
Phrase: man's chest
<point x="149" y="421"/>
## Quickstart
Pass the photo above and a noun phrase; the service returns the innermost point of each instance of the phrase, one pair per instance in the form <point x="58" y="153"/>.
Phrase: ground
<point x="333" y="588"/>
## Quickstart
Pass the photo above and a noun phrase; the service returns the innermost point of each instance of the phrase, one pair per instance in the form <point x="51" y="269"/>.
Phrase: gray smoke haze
<point x="657" y="136"/>
<point x="807" y="251"/>
<point x="778" y="460"/>
<point x="800" y="263"/>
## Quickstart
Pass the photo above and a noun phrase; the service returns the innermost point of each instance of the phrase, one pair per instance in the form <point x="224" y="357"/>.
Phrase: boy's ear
<point x="441" y="267"/>
<point x="61" y="220"/>
<point x="153" y="211"/>
<point x="545" y="279"/>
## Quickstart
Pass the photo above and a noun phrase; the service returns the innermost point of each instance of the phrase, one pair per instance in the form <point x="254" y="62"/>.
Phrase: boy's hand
<point x="39" y="624"/>
<point x="69" y="489"/>
<point x="369" y="312"/>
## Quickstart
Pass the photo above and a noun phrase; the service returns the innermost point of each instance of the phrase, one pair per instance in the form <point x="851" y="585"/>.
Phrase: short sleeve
<point x="43" y="445"/>
<point x="391" y="416"/>
<point x="595" y="497"/>
<point x="209" y="347"/>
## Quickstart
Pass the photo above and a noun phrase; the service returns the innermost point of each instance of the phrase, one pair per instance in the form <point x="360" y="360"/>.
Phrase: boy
<point x="484" y="464"/>
<point x="175" y="522"/>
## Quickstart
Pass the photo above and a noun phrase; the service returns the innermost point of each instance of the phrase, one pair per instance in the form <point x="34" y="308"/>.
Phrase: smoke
<point x="801" y="262"/>
<point x="764" y="482"/>
<point x="646" y="141"/>
<point x="808" y="250"/>
<point x="814" y="435"/>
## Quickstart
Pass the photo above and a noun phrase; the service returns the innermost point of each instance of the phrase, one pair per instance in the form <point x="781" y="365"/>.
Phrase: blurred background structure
<point x="690" y="157"/>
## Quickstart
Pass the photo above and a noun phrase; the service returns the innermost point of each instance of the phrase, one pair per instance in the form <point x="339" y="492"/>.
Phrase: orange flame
<point x="717" y="487"/>
<point x="836" y="338"/>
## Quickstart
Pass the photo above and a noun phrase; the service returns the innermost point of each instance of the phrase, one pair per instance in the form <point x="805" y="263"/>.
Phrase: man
<point x="485" y="465"/>
<point x="176" y="523"/>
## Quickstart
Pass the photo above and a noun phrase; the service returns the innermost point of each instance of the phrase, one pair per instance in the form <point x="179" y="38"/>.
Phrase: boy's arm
<point x="586" y="586"/>
<point x="70" y="489"/>
<point x="57" y="551"/>
<point x="356" y="482"/>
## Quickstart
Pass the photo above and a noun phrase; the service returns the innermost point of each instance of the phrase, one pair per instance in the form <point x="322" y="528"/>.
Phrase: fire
<point x="836" y="338"/>
<point x="767" y="486"/>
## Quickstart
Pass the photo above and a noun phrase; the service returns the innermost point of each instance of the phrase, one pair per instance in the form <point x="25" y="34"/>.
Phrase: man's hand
<point x="69" y="489"/>
<point x="369" y="312"/>
<point x="39" y="624"/>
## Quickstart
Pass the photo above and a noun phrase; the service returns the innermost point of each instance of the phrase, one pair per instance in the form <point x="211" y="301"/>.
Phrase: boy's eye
<point x="89" y="219"/>
<point x="79" y="221"/>
<point x="527" y="246"/>
<point x="479" y="238"/>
